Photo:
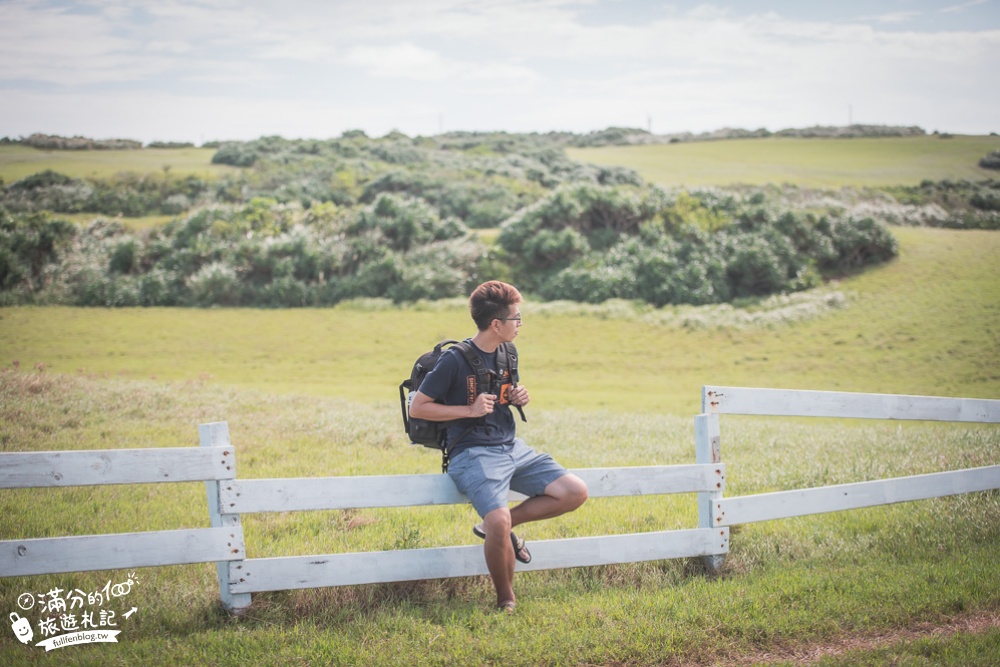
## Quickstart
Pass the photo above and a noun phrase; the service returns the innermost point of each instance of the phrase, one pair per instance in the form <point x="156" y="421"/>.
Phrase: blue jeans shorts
<point x="487" y="474"/>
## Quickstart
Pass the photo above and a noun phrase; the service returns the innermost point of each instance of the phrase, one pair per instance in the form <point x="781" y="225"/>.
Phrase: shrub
<point x="991" y="160"/>
<point x="235" y="154"/>
<point x="215" y="284"/>
<point x="755" y="265"/>
<point x="404" y="223"/>
<point x="986" y="200"/>
<point x="28" y="245"/>
<point x="125" y="254"/>
<point x="862" y="242"/>
<point x="587" y="244"/>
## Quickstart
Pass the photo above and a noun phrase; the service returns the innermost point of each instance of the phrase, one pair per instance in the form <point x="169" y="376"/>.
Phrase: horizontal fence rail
<point x="21" y="470"/>
<point x="118" y="551"/>
<point x="268" y="574"/>
<point x="800" y="403"/>
<point x="802" y="502"/>
<point x="247" y="496"/>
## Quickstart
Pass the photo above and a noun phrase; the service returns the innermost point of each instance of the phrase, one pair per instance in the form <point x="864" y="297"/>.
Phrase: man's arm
<point x="424" y="407"/>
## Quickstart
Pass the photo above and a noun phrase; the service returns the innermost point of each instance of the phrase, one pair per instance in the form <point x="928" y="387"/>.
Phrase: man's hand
<point x="482" y="406"/>
<point x="519" y="396"/>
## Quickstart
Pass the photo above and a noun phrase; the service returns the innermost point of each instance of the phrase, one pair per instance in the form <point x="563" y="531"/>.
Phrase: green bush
<point x="126" y="194"/>
<point x="991" y="160"/>
<point x="28" y="246"/>
<point x="402" y="224"/>
<point x="586" y="243"/>
<point x="315" y="222"/>
<point x="215" y="284"/>
<point x="861" y="243"/>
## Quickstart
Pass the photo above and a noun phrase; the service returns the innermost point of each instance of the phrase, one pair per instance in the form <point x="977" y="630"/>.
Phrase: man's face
<point x="510" y="325"/>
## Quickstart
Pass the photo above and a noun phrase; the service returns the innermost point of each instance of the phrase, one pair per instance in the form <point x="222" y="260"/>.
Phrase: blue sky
<point x="199" y="70"/>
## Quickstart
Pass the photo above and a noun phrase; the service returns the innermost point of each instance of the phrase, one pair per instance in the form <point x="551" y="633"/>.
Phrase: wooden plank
<point x="784" y="504"/>
<point x="268" y="574"/>
<point x="318" y="493"/>
<point x="211" y="436"/>
<point x="118" y="551"/>
<point x="789" y="403"/>
<point x="708" y="450"/>
<point x="115" y="466"/>
<point x="653" y="480"/>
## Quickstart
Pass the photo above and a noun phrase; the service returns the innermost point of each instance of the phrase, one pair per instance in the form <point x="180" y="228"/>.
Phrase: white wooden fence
<point x="119" y="550"/>
<point x="715" y="510"/>
<point x="229" y="498"/>
<point x="245" y="496"/>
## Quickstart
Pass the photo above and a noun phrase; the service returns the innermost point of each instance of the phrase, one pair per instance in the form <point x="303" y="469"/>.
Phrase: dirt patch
<point x="807" y="654"/>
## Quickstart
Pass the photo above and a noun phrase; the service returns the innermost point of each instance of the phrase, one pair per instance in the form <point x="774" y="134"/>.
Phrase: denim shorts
<point x="487" y="474"/>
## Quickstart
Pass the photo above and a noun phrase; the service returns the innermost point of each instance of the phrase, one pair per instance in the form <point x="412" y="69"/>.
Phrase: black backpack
<point x="432" y="434"/>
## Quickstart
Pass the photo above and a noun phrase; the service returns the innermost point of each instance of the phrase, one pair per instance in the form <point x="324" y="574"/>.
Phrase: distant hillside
<point x="53" y="142"/>
<point x="612" y="136"/>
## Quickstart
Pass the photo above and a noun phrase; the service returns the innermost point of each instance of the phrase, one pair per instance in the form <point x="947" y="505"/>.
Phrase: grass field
<point x="820" y="163"/>
<point x="827" y="163"/>
<point x="17" y="162"/>
<point x="925" y="323"/>
<point x="311" y="392"/>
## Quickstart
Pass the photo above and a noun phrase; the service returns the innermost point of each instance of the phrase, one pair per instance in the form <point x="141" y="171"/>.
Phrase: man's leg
<point x="500" y="553"/>
<point x="563" y="495"/>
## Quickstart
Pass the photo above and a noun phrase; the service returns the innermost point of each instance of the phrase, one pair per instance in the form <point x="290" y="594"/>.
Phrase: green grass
<point x="312" y="393"/>
<point x="822" y="163"/>
<point x="925" y="323"/>
<point x="17" y="162"/>
<point x="787" y="584"/>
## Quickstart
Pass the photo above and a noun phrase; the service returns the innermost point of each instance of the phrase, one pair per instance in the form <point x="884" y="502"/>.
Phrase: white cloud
<point x="894" y="17"/>
<point x="401" y="60"/>
<point x="964" y="6"/>
<point x="384" y="64"/>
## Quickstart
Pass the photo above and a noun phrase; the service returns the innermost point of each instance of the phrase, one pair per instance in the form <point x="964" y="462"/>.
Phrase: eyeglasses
<point x="508" y="319"/>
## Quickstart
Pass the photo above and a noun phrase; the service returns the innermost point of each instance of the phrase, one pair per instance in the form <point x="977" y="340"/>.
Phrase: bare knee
<point x="578" y="493"/>
<point x="498" y="521"/>
<point x="570" y="490"/>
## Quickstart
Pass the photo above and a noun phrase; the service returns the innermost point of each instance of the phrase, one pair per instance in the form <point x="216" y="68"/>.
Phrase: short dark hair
<point x="491" y="301"/>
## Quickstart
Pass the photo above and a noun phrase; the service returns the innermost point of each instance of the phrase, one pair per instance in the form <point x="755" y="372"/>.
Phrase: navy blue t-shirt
<point x="453" y="382"/>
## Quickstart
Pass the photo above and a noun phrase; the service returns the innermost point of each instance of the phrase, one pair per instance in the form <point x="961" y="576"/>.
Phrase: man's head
<point x="492" y="300"/>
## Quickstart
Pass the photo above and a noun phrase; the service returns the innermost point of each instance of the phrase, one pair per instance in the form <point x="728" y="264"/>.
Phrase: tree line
<point x="312" y="223"/>
<point x="584" y="242"/>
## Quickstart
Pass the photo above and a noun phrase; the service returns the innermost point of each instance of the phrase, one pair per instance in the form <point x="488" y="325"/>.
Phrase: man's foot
<point x="521" y="552"/>
<point x="507" y="607"/>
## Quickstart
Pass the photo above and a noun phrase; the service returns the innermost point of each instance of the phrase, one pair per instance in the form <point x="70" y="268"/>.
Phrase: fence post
<point x="708" y="449"/>
<point x="211" y="435"/>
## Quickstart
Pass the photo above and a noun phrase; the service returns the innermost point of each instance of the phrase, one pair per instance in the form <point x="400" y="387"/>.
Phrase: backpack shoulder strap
<point x="477" y="364"/>
<point x="507" y="358"/>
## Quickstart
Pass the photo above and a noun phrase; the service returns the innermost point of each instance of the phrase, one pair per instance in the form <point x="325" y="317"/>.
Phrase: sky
<point x="208" y="70"/>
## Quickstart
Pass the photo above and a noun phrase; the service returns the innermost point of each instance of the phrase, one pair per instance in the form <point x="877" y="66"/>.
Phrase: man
<point x="487" y="460"/>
